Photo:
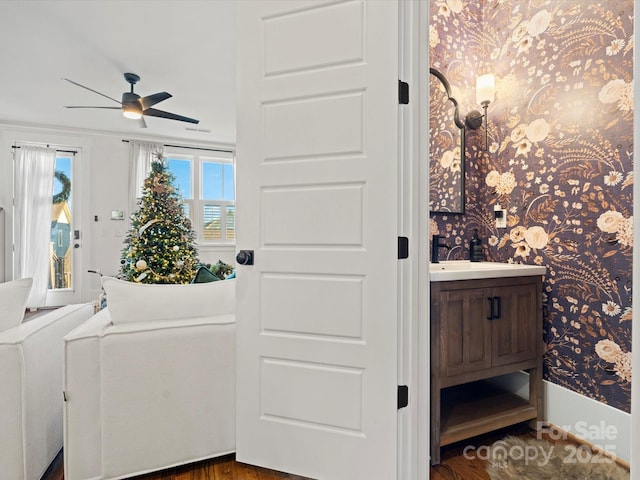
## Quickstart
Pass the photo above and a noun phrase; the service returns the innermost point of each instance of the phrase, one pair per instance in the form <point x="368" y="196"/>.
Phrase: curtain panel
<point x="34" y="174"/>
<point x="141" y="156"/>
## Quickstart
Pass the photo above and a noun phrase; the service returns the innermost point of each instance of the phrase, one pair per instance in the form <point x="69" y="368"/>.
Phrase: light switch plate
<point x="117" y="214"/>
<point x="500" y="216"/>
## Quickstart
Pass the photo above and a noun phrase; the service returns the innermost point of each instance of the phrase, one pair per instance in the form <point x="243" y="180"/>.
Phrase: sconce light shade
<point x="485" y="88"/>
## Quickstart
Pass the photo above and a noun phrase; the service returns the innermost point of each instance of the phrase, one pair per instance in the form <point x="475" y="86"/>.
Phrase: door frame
<point x="60" y="140"/>
<point x="414" y="302"/>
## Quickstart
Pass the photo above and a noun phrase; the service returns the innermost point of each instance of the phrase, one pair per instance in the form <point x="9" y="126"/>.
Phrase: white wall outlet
<point x="500" y="215"/>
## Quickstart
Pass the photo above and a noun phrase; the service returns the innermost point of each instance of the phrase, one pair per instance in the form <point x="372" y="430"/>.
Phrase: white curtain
<point x="141" y="156"/>
<point x="32" y="233"/>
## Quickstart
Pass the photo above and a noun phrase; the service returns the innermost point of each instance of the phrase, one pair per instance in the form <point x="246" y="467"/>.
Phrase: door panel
<point x="317" y="202"/>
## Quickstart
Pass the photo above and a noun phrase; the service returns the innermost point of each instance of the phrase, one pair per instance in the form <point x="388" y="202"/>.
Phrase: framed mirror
<point x="446" y="148"/>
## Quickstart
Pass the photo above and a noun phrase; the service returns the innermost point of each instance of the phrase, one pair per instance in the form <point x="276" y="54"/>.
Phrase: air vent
<point x="203" y="130"/>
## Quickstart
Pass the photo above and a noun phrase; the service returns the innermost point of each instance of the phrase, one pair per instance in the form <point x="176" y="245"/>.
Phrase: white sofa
<point x="31" y="399"/>
<point x="150" y="380"/>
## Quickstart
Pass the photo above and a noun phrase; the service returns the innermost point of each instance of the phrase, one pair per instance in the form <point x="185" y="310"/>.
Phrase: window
<point x="60" y="251"/>
<point x="206" y="182"/>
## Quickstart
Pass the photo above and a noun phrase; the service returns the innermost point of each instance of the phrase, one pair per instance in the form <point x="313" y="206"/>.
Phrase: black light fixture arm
<point x="486" y="124"/>
<point x="456" y="116"/>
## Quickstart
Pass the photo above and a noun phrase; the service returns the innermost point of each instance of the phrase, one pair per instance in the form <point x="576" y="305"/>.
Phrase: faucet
<point x="436" y="245"/>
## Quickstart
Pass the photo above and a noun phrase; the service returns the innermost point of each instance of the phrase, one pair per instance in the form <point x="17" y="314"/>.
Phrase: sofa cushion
<point x="135" y="302"/>
<point x="13" y="301"/>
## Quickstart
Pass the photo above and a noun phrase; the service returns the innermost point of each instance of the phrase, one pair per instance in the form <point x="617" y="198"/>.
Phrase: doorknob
<point x="245" y="257"/>
<point x="76" y="245"/>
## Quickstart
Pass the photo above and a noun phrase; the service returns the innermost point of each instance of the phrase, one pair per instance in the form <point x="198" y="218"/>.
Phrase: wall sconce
<point x="485" y="94"/>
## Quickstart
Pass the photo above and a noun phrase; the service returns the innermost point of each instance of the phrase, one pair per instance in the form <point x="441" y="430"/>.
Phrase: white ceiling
<point x="184" y="47"/>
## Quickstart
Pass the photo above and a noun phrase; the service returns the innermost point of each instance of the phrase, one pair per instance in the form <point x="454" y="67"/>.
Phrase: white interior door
<point x="317" y="202"/>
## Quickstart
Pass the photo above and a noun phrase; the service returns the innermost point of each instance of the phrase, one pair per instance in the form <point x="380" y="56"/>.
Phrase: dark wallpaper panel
<point x="559" y="161"/>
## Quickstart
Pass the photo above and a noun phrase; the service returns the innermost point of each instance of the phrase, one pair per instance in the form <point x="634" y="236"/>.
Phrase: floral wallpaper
<point x="559" y="161"/>
<point x="445" y="150"/>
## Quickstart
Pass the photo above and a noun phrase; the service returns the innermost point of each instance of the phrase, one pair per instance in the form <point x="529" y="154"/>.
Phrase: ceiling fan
<point x="134" y="106"/>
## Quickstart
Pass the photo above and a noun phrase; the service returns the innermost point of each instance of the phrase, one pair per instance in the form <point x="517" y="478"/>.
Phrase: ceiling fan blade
<point x="82" y="106"/>
<point x="91" y="90"/>
<point x="142" y="123"/>
<point x="152" y="112"/>
<point x="151" y="100"/>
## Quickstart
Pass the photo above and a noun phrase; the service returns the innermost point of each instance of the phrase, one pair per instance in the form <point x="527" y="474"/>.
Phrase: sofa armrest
<point x="166" y="385"/>
<point x="81" y="384"/>
<point x="31" y="356"/>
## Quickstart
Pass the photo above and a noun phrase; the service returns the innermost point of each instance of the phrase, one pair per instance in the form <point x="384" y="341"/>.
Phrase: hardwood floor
<point x="222" y="468"/>
<point x="453" y="466"/>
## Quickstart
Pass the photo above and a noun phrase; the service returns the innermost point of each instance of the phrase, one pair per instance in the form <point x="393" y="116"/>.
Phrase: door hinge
<point x="403" y="396"/>
<point x="403" y="248"/>
<point x="403" y="92"/>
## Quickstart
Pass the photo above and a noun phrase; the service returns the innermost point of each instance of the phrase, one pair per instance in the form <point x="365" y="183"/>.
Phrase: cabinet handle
<point x="495" y="304"/>
<point x="498" y="301"/>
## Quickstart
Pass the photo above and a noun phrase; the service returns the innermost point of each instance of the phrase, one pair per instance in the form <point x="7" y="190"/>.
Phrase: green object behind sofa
<point x="204" y="275"/>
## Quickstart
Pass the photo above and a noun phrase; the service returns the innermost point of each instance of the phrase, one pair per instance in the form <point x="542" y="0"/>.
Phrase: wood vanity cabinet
<point x="482" y="329"/>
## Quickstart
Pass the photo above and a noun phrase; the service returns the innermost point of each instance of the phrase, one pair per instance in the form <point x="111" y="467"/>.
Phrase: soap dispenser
<point x="475" y="247"/>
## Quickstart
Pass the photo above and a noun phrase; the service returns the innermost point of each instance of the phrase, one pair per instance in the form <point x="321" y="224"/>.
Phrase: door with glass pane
<point x="65" y="236"/>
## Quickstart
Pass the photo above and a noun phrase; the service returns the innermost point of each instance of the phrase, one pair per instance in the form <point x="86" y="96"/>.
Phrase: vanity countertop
<point x="465" y="270"/>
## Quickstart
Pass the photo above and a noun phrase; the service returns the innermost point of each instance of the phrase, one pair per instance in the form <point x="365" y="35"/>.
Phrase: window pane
<point x="231" y="222"/>
<point x="229" y="190"/>
<point x="60" y="250"/>
<point x="212" y="222"/>
<point x="182" y="171"/>
<point x="211" y="181"/>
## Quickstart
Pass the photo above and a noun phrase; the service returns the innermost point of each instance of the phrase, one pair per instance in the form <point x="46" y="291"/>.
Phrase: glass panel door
<point x="65" y="237"/>
<point x="61" y="246"/>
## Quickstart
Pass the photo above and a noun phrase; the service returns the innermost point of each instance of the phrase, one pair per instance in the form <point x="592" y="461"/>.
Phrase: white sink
<point x="465" y="270"/>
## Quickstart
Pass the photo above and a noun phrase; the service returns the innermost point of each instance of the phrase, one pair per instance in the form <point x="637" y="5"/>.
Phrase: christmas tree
<point x="160" y="245"/>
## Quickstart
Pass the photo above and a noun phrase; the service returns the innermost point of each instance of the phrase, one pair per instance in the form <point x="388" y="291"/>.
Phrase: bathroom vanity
<point x="486" y="321"/>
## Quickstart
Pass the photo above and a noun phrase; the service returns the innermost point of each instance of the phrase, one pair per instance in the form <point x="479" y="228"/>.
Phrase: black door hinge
<point x="403" y="248"/>
<point x="403" y="92"/>
<point x="403" y="396"/>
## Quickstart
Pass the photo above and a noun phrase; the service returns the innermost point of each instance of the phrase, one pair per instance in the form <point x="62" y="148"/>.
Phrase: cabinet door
<point x="514" y="332"/>
<point x="465" y="334"/>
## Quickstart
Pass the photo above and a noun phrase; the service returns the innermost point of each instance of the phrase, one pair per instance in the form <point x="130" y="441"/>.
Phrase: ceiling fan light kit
<point x="136" y="107"/>
<point x="131" y="113"/>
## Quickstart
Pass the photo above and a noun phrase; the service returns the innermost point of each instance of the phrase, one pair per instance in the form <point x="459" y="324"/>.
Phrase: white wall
<point x="104" y="174"/>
